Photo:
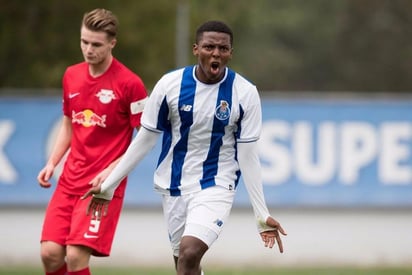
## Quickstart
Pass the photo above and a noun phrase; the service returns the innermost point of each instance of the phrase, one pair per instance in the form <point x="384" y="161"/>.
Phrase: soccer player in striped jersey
<point x="210" y="117"/>
<point x="102" y="105"/>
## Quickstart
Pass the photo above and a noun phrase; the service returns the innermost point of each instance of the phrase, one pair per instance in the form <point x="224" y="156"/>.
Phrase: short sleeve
<point x="155" y="115"/>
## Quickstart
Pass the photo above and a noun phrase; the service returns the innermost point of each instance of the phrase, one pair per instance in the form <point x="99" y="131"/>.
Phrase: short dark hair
<point x="214" y="26"/>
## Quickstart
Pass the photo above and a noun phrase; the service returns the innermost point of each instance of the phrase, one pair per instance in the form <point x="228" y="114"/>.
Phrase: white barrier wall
<point x="315" y="238"/>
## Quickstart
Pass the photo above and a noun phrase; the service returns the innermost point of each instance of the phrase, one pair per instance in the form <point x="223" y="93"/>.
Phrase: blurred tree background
<point x="281" y="45"/>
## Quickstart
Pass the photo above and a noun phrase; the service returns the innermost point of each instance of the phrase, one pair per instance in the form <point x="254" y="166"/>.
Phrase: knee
<point x="72" y="258"/>
<point x="52" y="255"/>
<point x="190" y="256"/>
<point x="78" y="257"/>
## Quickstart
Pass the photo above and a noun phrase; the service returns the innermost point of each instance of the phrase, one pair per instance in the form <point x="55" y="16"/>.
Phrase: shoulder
<point x="75" y="73"/>
<point x="170" y="80"/>
<point x="119" y="68"/>
<point x="125" y="74"/>
<point x="243" y="81"/>
<point x="173" y="75"/>
<point x="74" y="68"/>
<point x="244" y="87"/>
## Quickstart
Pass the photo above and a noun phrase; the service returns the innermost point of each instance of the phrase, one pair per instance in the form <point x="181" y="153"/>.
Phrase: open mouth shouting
<point x="215" y="68"/>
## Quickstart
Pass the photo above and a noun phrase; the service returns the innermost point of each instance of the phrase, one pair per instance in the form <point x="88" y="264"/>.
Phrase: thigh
<point x="174" y="212"/>
<point x="58" y="216"/>
<point x="208" y="211"/>
<point x="97" y="234"/>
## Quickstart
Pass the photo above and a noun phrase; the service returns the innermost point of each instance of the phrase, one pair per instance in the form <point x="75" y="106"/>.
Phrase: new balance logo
<point x="218" y="222"/>
<point x="186" y="108"/>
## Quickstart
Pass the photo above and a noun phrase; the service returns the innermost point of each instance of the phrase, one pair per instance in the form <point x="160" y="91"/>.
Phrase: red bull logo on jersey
<point x="105" y="96"/>
<point x="88" y="118"/>
<point x="222" y="111"/>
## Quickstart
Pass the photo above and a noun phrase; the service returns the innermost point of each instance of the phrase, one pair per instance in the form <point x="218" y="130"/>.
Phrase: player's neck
<point x="97" y="70"/>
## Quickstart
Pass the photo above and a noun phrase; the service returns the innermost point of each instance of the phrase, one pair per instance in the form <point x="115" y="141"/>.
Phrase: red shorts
<point x="66" y="223"/>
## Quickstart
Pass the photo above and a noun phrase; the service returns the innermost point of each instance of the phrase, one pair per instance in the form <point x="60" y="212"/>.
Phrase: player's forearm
<point x="142" y="144"/>
<point x="114" y="163"/>
<point x="62" y="143"/>
<point x="251" y="172"/>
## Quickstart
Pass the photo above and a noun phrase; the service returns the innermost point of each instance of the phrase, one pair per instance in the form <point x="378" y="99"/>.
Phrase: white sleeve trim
<point x="251" y="172"/>
<point x="142" y="144"/>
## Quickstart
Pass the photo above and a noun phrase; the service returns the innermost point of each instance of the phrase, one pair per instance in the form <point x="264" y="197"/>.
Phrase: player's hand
<point x="99" y="178"/>
<point x="45" y="175"/>
<point x="96" y="182"/>
<point x="271" y="237"/>
<point x="97" y="208"/>
<point x="95" y="189"/>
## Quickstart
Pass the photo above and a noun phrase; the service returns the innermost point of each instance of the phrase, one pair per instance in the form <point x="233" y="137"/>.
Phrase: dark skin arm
<point x="97" y="206"/>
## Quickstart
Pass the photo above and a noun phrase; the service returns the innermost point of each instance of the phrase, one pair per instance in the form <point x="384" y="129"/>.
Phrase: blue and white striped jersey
<point x="201" y="125"/>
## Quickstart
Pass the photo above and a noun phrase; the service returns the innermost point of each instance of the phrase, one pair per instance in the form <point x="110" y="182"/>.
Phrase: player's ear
<point x="113" y="42"/>
<point x="195" y="49"/>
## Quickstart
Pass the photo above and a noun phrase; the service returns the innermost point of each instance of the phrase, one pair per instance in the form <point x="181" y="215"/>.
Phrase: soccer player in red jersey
<point x="102" y="104"/>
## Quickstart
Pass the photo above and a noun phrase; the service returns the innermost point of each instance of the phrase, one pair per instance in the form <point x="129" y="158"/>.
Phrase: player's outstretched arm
<point x="102" y="192"/>
<point x="268" y="227"/>
<point x="97" y="181"/>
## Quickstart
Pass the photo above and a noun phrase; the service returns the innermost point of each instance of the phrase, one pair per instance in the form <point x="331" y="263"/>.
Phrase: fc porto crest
<point x="105" y="96"/>
<point x="222" y="111"/>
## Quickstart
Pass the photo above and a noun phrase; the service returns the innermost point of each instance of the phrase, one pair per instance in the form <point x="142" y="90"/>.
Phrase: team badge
<point x="105" y="96"/>
<point x="222" y="111"/>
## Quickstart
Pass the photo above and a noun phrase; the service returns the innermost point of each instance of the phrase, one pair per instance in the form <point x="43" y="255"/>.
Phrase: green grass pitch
<point x="224" y="271"/>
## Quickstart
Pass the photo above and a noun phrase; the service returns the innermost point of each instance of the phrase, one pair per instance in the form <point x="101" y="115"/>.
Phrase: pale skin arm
<point x="60" y="148"/>
<point x="100" y="177"/>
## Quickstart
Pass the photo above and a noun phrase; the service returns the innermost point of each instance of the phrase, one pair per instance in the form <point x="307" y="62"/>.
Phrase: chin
<point x="91" y="60"/>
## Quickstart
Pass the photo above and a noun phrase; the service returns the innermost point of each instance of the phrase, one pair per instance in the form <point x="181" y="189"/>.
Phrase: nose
<point x="216" y="51"/>
<point x="89" y="48"/>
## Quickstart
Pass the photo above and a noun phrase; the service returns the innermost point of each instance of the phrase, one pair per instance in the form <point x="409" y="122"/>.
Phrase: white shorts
<point x="201" y="215"/>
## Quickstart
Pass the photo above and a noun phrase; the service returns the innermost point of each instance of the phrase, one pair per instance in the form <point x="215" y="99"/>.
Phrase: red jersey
<point x="104" y="112"/>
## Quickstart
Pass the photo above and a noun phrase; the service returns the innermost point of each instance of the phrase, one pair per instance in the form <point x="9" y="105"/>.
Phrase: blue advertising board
<point x="322" y="153"/>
